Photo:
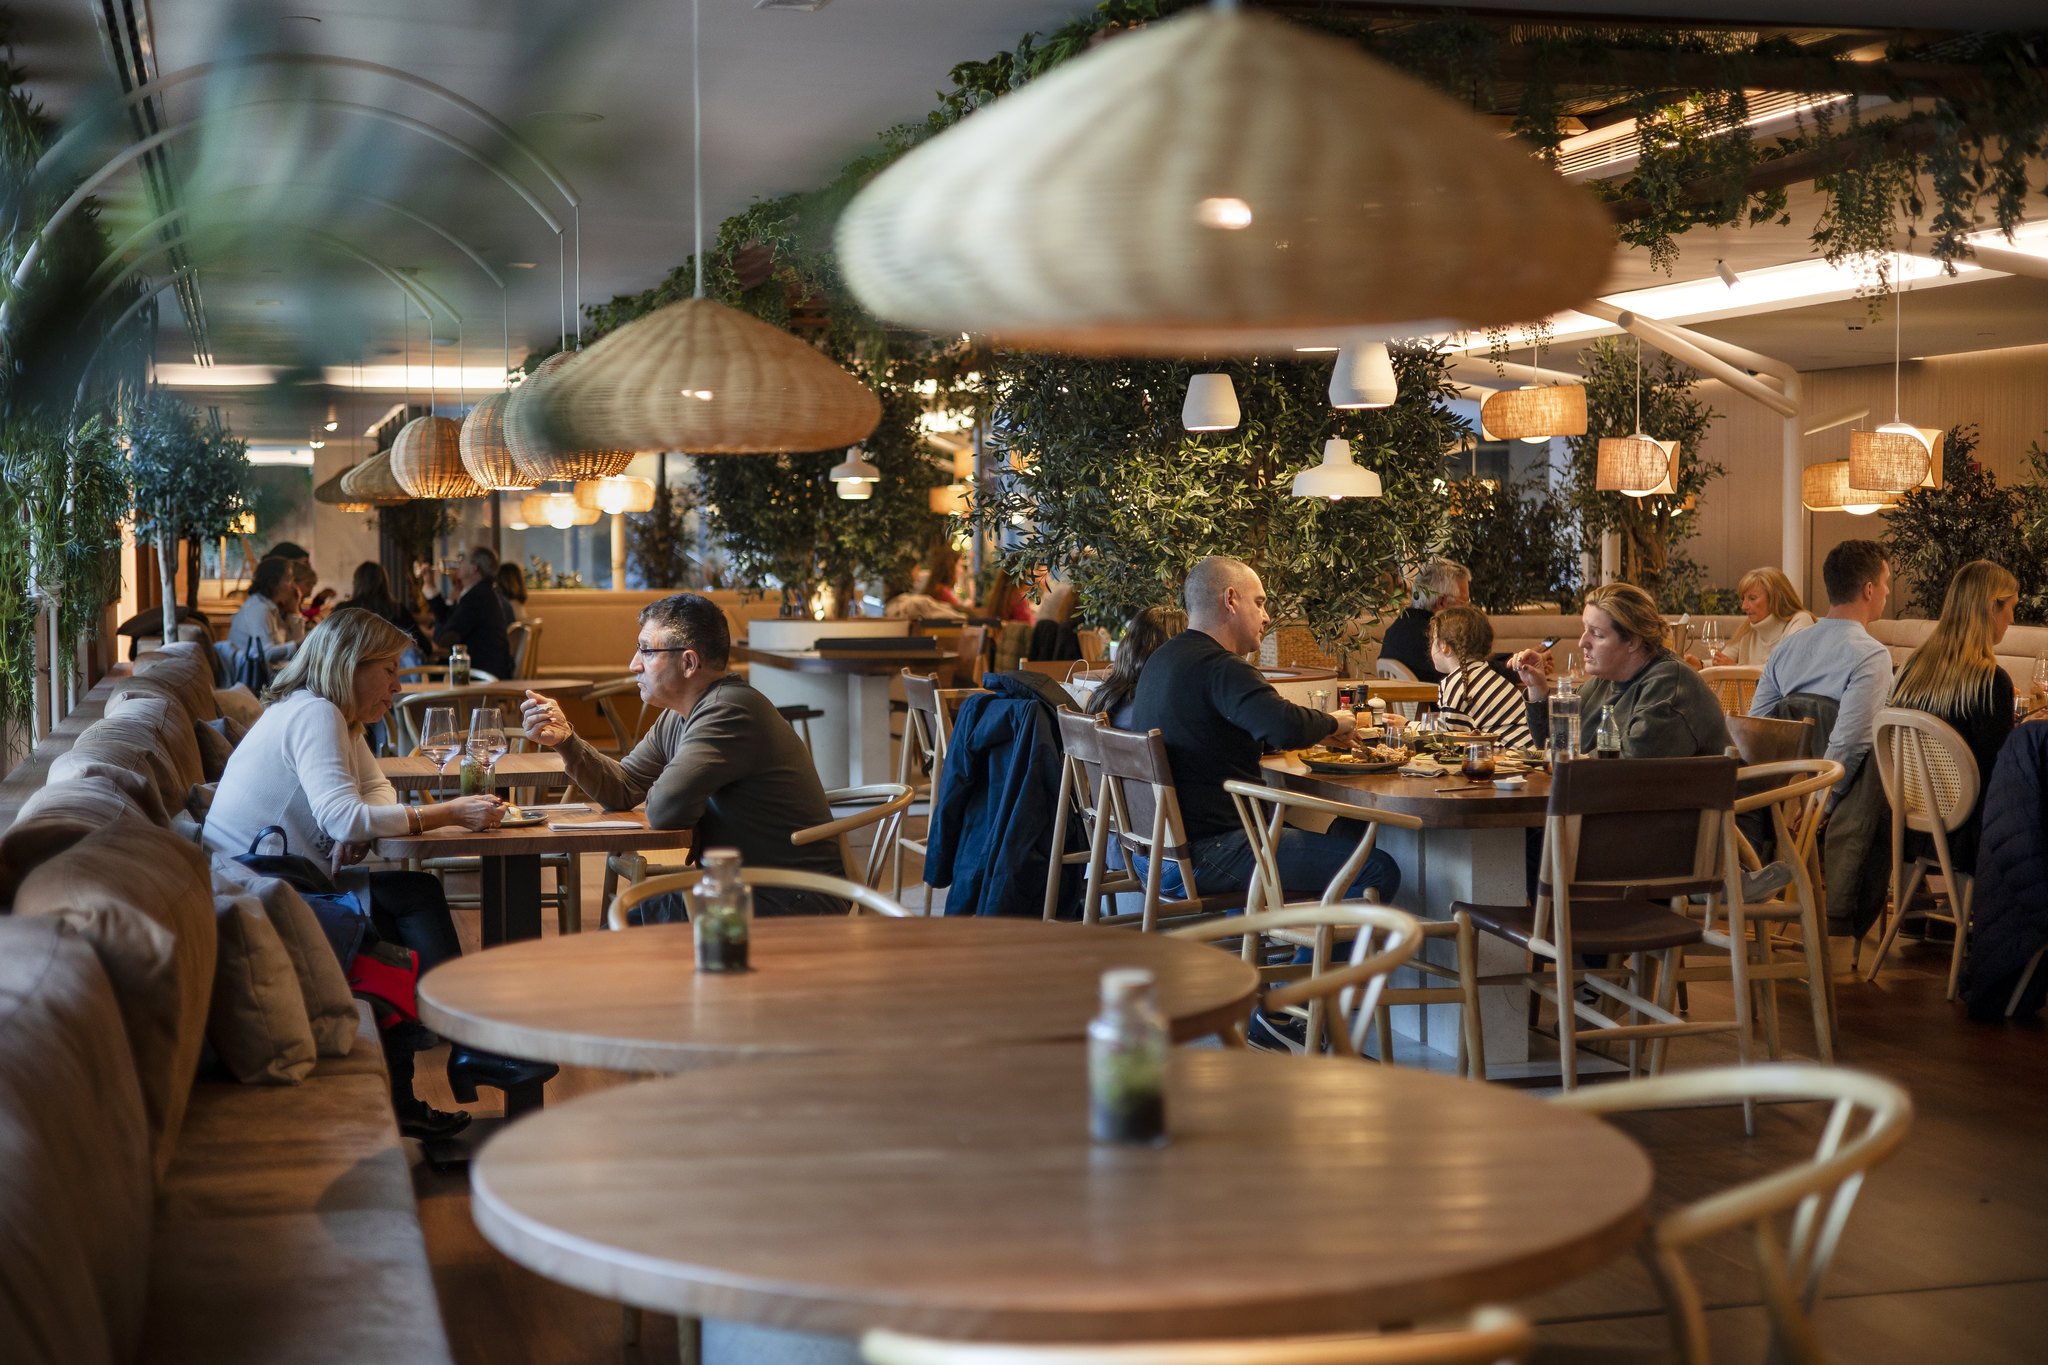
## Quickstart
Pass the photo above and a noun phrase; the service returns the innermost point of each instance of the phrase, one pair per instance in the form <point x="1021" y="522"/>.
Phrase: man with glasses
<point x="720" y="760"/>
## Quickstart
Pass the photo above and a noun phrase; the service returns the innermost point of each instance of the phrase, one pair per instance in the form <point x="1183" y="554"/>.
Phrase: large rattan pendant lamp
<point x="1639" y="465"/>
<point x="529" y="443"/>
<point x="1220" y="182"/>
<point x="484" y="452"/>
<point x="331" y="493"/>
<point x="1898" y="456"/>
<point x="372" y="482"/>
<point x="702" y="377"/>
<point x="1826" y="487"/>
<point x="1535" y="412"/>
<point x="426" y="455"/>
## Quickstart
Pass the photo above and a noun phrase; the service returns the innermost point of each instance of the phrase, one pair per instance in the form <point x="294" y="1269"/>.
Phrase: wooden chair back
<point x="881" y="808"/>
<point x="1647" y="827"/>
<point x="1759" y="739"/>
<point x="525" y="647"/>
<point x="857" y="896"/>
<point x="1929" y="774"/>
<point x="611" y="698"/>
<point x="1263" y="811"/>
<point x="1382" y="939"/>
<point x="1144" y="811"/>
<point x="1733" y="685"/>
<point x="971" y="652"/>
<point x="1492" y="1336"/>
<point x="928" y="728"/>
<point x="1867" y="1120"/>
<point x="1080" y="799"/>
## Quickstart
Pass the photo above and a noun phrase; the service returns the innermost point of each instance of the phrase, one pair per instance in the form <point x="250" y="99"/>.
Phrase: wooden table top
<point x="634" y="1001"/>
<point x="957" y="1193"/>
<point x="1473" y="806"/>
<point x="450" y="842"/>
<point x="1399" y="690"/>
<point x="843" y="661"/>
<point x="566" y="685"/>
<point x="415" y="772"/>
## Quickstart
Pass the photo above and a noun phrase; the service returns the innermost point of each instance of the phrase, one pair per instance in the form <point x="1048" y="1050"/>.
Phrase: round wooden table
<point x="634" y="1001"/>
<point x="957" y="1193"/>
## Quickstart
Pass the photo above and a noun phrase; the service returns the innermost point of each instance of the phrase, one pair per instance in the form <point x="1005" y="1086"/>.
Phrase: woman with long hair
<point x="370" y="590"/>
<point x="1148" y="630"/>
<point x="1955" y="676"/>
<point x="305" y="767"/>
<point x="1660" y="706"/>
<point x="944" y="567"/>
<point x="512" y="590"/>
<point x="1771" y="610"/>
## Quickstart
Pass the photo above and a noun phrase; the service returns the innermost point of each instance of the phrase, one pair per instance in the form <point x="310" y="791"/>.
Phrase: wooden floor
<point x="1946" y="1258"/>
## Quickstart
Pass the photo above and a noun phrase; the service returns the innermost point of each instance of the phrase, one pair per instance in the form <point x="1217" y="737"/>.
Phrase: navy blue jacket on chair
<point x="991" y="833"/>
<point x="2009" y="908"/>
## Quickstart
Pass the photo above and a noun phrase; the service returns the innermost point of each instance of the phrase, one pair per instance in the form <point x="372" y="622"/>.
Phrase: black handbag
<point x="344" y="919"/>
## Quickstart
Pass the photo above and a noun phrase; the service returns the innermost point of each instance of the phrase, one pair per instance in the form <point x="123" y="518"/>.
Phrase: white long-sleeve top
<point x="301" y="767"/>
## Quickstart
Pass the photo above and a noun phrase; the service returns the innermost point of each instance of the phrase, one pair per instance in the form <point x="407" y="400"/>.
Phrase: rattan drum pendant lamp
<point x="1639" y="465"/>
<point x="372" y="482"/>
<point x="530" y="444"/>
<point x="1898" y="456"/>
<point x="484" y="452"/>
<point x="702" y="377"/>
<point x="1221" y="182"/>
<point x="426" y="459"/>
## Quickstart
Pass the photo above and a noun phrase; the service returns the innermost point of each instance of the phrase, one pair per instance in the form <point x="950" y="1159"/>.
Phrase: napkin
<point x="1423" y="770"/>
<point x="575" y="825"/>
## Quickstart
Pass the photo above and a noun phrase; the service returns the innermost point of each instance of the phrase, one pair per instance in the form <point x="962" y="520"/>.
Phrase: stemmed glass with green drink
<point x="439" y="739"/>
<point x="487" y="744"/>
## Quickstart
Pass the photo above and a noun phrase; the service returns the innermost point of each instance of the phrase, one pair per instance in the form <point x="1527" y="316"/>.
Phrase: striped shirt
<point x="1478" y="696"/>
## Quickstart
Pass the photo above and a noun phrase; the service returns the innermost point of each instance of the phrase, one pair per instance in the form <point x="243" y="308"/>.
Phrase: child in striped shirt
<point x="1474" y="693"/>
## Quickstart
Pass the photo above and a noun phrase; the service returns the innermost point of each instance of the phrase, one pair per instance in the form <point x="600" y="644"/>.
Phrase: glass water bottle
<point x="721" y="913"/>
<point x="1127" y="1051"/>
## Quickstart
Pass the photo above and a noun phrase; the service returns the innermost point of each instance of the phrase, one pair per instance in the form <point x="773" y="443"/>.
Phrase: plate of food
<point x="519" y="818"/>
<point x="1372" y="758"/>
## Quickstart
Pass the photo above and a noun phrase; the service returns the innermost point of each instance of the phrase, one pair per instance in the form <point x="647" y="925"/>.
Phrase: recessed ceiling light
<point x="269" y="303"/>
<point x="564" y="116"/>
<point x="522" y="265"/>
<point x="807" y="6"/>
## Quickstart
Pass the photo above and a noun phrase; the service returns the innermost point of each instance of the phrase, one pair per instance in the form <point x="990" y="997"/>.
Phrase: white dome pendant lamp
<point x="1898" y="457"/>
<point x="1211" y="404"/>
<point x="855" y="477"/>
<point x="1337" y="476"/>
<point x="1364" y="377"/>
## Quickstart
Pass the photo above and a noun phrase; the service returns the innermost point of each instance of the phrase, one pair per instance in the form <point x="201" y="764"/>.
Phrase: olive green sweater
<point x="1664" y="711"/>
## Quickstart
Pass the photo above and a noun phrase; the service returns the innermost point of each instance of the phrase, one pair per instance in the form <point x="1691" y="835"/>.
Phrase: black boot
<point x="468" y="1069"/>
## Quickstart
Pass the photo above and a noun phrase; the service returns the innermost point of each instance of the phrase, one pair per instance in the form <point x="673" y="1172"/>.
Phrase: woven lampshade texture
<point x="330" y="493"/>
<point x="545" y="509"/>
<point x="484" y="452"/>
<point x="1635" y="464"/>
<point x="528" y="441"/>
<point x="1896" y="457"/>
<point x="701" y="377"/>
<point x="426" y="459"/>
<point x="1221" y="183"/>
<point x="1547" y="410"/>
<point x="1825" y="487"/>
<point x="373" y="482"/>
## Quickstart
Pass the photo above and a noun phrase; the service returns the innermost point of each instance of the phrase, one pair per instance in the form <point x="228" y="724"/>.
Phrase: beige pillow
<point x="170" y="728"/>
<point x="190" y="670"/>
<point x="330" y="1006"/>
<point x="77" y="1197"/>
<point x="144" y="900"/>
<point x="56" y="816"/>
<point x="130" y="741"/>
<point x="214" y="749"/>
<point x="91" y="762"/>
<point x="257" y="1022"/>
<point x="239" y="704"/>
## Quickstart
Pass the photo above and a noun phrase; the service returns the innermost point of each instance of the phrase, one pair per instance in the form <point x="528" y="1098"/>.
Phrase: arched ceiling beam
<point x="419" y="293"/>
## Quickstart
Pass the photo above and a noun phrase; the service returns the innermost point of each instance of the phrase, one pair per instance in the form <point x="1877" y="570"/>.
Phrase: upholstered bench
<point x="146" y="1217"/>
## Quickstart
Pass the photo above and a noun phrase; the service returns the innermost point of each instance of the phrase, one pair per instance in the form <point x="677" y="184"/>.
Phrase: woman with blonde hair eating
<point x="1955" y="676"/>
<point x="1773" y="611"/>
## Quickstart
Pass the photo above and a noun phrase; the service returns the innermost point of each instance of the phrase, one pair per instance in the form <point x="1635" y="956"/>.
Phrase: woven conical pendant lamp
<point x="426" y="459"/>
<point x="373" y="482"/>
<point x="1219" y="182"/>
<point x="331" y="493"/>
<point x="702" y="377"/>
<point x="484" y="452"/>
<point x="530" y="443"/>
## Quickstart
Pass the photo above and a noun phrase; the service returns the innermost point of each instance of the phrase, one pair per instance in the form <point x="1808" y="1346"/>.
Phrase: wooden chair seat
<point x="1600" y="928"/>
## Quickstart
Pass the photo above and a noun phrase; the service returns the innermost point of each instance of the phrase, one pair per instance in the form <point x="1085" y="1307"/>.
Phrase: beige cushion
<point x="330" y="1007"/>
<point x="214" y="749"/>
<point x="239" y="704"/>
<point x="117" y="762"/>
<point x="76" y="1185"/>
<point x="143" y="899"/>
<point x="258" y="1020"/>
<point x="56" y="816"/>
<point x="188" y="667"/>
<point x="128" y="742"/>
<point x="170" y="728"/>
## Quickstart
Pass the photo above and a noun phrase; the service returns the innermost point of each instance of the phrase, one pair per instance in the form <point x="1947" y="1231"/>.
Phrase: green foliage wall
<point x="1933" y="532"/>
<point x="1116" y="494"/>
<point x="1518" y="541"/>
<point x="1653" y="530"/>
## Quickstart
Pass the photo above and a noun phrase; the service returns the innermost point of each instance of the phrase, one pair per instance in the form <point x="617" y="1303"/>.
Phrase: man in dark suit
<point x="476" y="619"/>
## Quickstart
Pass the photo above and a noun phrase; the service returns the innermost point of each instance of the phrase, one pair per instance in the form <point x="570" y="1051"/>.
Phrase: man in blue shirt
<point x="1837" y="656"/>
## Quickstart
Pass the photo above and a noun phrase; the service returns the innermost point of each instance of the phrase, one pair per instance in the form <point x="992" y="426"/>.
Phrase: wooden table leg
<point x="509" y="893"/>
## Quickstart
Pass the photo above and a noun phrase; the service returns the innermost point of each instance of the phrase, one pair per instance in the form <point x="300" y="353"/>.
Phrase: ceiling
<point x="601" y="88"/>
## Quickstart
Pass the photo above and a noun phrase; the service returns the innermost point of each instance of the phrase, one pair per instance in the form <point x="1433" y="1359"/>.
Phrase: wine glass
<point x="440" y="740"/>
<point x="1574" y="669"/>
<point x="487" y="741"/>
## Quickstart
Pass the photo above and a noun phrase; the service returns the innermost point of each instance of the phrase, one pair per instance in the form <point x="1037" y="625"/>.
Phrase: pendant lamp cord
<point x="433" y="379"/>
<point x="405" y="321"/>
<point x="562" y="288"/>
<point x="461" y="363"/>
<point x="1639" y="385"/>
<point x="697" y="150"/>
<point x="1898" y="308"/>
<point x="505" y="355"/>
<point x="578" y="214"/>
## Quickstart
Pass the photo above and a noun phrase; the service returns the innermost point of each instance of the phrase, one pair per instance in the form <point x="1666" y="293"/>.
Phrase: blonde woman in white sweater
<point x="1772" y="610"/>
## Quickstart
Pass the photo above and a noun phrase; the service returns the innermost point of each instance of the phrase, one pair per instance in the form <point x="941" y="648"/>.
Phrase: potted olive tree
<point x="188" y="480"/>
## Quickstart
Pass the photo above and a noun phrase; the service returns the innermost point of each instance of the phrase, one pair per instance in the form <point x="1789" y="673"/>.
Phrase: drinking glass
<point x="487" y="744"/>
<point x="440" y="740"/>
<point x="1574" y="671"/>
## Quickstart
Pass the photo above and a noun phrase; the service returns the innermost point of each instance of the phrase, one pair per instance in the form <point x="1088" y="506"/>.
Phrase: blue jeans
<point x="1223" y="862"/>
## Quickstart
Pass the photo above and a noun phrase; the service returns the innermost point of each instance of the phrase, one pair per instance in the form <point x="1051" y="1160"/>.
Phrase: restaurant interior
<point x="1423" y="623"/>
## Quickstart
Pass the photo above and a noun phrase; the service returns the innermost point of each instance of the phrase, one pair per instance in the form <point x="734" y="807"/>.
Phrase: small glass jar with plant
<point x="1127" y="1055"/>
<point x="721" y="913"/>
